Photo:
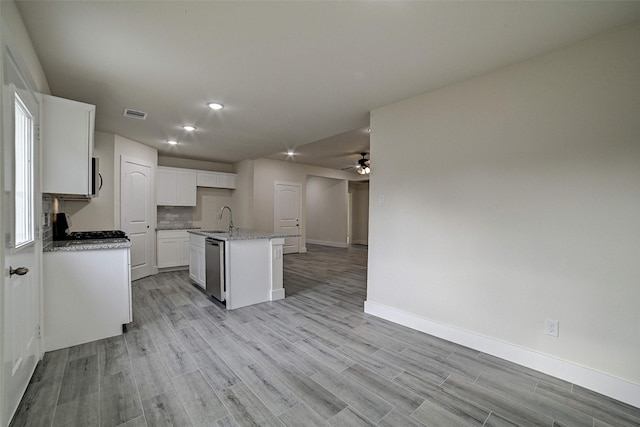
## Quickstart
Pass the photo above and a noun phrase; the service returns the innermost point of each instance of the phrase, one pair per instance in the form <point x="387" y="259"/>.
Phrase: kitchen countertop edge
<point x="70" y="246"/>
<point x="243" y="235"/>
<point x="172" y="228"/>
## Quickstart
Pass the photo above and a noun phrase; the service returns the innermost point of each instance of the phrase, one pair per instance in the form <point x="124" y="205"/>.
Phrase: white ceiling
<point x="289" y="73"/>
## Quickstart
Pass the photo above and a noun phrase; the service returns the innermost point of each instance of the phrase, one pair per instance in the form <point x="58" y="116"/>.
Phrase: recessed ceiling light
<point x="290" y="153"/>
<point x="215" y="106"/>
<point x="189" y="128"/>
<point x="172" y="142"/>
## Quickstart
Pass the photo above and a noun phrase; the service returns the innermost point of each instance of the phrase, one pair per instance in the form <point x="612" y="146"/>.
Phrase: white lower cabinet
<point x="87" y="296"/>
<point x="173" y="248"/>
<point x="197" y="267"/>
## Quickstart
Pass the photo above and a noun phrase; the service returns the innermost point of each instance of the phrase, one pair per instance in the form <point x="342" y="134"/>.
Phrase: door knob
<point x="20" y="271"/>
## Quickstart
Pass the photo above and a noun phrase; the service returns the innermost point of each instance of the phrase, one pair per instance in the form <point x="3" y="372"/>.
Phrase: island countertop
<point x="240" y="234"/>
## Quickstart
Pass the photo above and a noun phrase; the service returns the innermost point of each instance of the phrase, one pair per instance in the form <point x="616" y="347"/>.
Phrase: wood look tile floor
<point x="312" y="359"/>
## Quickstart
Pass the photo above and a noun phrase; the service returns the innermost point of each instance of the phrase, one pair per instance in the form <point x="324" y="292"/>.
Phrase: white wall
<point x="242" y="197"/>
<point x="17" y="35"/>
<point x="97" y="213"/>
<point x="326" y="209"/>
<point x="209" y="202"/>
<point x="266" y="172"/>
<point x="512" y="198"/>
<point x="4" y="228"/>
<point x="103" y="212"/>
<point x="176" y="162"/>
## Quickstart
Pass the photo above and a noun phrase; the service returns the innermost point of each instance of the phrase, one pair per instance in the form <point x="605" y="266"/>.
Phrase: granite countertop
<point x="87" y="245"/>
<point x="240" y="234"/>
<point x="175" y="227"/>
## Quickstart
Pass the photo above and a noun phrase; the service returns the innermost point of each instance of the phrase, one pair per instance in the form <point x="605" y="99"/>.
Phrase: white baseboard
<point x="168" y="269"/>
<point x="599" y="382"/>
<point x="332" y="244"/>
<point x="277" y="294"/>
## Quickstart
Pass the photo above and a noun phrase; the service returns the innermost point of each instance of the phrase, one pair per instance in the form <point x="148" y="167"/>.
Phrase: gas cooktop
<point x="92" y="235"/>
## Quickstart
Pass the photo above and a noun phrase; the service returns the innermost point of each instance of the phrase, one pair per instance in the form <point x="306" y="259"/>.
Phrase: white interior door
<point x="22" y="248"/>
<point x="287" y="214"/>
<point x="136" y="206"/>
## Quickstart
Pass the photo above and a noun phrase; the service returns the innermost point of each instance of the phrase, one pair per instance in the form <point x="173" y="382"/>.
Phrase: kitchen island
<point x="251" y="265"/>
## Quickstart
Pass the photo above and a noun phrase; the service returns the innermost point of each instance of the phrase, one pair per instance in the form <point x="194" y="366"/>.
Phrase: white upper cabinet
<point x="67" y="146"/>
<point x="176" y="187"/>
<point x="216" y="179"/>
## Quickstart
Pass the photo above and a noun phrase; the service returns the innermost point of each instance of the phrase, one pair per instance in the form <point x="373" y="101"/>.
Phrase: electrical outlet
<point x="551" y="327"/>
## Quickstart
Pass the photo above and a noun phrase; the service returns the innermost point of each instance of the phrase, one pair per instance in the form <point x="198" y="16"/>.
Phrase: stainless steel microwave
<point x="96" y="178"/>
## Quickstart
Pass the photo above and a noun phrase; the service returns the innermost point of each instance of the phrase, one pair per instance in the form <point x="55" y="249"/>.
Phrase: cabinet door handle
<point x="20" y="271"/>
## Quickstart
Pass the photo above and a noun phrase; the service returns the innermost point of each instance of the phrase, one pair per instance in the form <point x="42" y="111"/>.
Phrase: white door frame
<point x="301" y="244"/>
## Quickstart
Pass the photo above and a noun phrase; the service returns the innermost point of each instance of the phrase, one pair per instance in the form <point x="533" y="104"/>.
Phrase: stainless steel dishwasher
<point x="214" y="262"/>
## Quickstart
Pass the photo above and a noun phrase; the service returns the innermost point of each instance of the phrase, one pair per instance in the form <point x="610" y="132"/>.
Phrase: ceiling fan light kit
<point x="364" y="165"/>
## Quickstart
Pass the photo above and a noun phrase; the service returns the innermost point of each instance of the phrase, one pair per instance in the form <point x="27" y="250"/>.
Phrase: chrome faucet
<point x="230" y="218"/>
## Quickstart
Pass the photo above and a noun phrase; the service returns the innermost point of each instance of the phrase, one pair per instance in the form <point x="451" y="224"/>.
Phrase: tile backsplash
<point x="175" y="216"/>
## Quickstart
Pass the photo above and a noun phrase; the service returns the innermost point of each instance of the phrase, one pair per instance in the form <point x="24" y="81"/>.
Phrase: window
<point x="23" y="167"/>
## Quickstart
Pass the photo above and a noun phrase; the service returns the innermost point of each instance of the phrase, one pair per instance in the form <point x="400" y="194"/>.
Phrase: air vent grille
<point x="134" y="114"/>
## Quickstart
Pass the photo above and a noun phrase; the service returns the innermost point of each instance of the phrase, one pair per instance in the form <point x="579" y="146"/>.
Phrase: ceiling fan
<point x="364" y="165"/>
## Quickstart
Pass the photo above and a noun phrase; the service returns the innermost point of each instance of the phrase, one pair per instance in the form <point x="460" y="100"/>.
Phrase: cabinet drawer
<point x="173" y="234"/>
<point x="197" y="240"/>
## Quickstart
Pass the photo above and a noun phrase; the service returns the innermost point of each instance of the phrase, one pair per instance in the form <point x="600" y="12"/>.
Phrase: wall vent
<point x="134" y="114"/>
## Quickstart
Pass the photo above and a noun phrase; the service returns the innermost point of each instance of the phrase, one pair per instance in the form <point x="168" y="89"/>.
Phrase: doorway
<point x="359" y="212"/>
<point x="326" y="211"/>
